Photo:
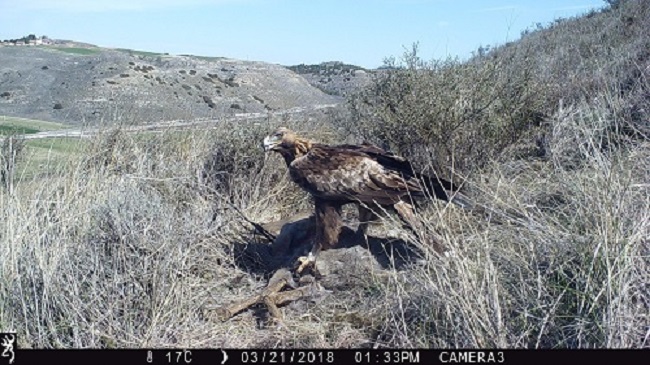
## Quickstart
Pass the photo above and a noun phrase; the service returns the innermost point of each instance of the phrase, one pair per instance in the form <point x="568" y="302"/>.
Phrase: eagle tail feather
<point x="438" y="187"/>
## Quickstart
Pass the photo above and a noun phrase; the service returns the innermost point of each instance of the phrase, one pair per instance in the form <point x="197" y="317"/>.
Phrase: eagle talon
<point x="305" y="262"/>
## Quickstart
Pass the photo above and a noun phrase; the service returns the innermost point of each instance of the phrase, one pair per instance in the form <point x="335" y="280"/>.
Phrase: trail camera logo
<point x="7" y="341"/>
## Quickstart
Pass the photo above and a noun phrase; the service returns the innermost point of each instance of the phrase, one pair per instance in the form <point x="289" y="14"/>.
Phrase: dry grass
<point x="128" y="248"/>
<point x="562" y="260"/>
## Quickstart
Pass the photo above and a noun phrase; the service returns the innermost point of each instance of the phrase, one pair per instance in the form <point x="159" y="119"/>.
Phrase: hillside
<point x="334" y="78"/>
<point x="89" y="85"/>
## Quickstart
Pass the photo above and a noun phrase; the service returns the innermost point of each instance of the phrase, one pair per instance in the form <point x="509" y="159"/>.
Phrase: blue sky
<point x="288" y="32"/>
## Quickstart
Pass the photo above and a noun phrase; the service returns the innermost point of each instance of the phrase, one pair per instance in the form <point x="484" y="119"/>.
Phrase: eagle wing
<point x="355" y="173"/>
<point x="433" y="185"/>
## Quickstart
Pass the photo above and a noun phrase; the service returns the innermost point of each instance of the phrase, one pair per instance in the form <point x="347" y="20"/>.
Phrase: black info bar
<point x="323" y="356"/>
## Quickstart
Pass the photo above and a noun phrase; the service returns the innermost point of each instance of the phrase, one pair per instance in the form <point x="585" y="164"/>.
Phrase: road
<point x="167" y="125"/>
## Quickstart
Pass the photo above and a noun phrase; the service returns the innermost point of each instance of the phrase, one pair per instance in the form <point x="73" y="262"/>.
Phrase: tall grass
<point x="571" y="271"/>
<point x="133" y="245"/>
<point x="128" y="245"/>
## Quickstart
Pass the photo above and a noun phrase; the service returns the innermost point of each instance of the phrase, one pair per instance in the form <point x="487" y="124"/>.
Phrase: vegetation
<point x="48" y="157"/>
<point x="133" y="52"/>
<point x="132" y="239"/>
<point x="14" y="125"/>
<point x="548" y="132"/>
<point x="207" y="58"/>
<point x="471" y="112"/>
<point x="325" y="68"/>
<point x="10" y="129"/>
<point x="28" y="159"/>
<point x="78" y="50"/>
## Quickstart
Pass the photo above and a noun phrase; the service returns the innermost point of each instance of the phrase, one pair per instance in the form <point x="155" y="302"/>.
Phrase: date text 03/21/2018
<point x="287" y="357"/>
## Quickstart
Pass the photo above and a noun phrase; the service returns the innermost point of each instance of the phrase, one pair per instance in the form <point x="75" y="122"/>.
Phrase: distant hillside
<point x="76" y="84"/>
<point x="335" y="78"/>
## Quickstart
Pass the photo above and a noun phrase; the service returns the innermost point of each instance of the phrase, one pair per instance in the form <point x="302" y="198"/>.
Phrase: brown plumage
<point x="363" y="174"/>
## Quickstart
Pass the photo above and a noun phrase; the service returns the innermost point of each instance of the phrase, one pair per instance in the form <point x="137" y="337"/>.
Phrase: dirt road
<point x="167" y="125"/>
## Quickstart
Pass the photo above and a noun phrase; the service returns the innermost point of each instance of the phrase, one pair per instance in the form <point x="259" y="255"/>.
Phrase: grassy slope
<point x="78" y="50"/>
<point x="9" y="125"/>
<point x="134" y="52"/>
<point x="130" y="243"/>
<point x="44" y="157"/>
<point x="40" y="156"/>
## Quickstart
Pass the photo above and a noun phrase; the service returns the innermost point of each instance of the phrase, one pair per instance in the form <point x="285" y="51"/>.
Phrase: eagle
<point x="365" y="175"/>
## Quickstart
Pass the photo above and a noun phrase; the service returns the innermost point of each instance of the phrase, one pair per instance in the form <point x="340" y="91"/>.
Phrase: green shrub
<point x="460" y="114"/>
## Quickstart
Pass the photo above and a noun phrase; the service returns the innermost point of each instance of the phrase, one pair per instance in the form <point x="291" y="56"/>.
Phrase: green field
<point x="11" y="129"/>
<point x="40" y="155"/>
<point x="78" y="50"/>
<point x="208" y="58"/>
<point x="39" y="151"/>
<point x="15" y="125"/>
<point x="55" y="145"/>
<point x="133" y="52"/>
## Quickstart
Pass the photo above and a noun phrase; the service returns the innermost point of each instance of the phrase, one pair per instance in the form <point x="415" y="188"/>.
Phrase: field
<point x="139" y="53"/>
<point x="78" y="50"/>
<point x="14" y="125"/>
<point x="133" y="240"/>
<point x="39" y="156"/>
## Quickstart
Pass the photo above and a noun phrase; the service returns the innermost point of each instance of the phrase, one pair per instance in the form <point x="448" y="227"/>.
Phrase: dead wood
<point x="272" y="296"/>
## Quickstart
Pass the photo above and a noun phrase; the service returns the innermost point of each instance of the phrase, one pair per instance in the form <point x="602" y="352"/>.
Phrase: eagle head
<point x="287" y="143"/>
<point x="279" y="140"/>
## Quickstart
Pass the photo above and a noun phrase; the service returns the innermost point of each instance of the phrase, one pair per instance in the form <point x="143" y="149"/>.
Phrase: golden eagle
<point x="363" y="174"/>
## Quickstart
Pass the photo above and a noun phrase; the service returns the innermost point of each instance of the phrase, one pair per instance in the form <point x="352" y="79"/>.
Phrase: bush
<point x="462" y="114"/>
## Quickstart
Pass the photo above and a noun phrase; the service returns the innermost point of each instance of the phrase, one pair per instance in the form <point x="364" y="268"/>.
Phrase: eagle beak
<point x="269" y="143"/>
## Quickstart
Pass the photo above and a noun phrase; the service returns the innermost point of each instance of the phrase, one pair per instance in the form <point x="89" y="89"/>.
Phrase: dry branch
<point x="272" y="296"/>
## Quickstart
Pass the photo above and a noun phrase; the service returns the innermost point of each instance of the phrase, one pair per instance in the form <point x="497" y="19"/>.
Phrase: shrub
<point x="463" y="114"/>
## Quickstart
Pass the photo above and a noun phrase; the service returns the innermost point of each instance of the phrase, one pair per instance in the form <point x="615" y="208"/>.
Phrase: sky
<point x="288" y="32"/>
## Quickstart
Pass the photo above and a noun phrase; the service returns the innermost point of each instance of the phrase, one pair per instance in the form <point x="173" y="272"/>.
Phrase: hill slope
<point x="90" y="85"/>
<point x="334" y="78"/>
